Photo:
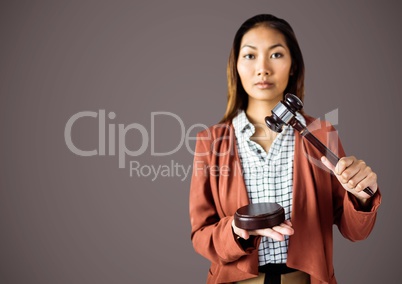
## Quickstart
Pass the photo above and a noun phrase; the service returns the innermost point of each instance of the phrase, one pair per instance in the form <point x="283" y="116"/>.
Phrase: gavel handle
<point x="321" y="147"/>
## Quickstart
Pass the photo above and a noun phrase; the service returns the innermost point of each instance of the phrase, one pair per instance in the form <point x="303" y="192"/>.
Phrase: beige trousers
<point x="297" y="277"/>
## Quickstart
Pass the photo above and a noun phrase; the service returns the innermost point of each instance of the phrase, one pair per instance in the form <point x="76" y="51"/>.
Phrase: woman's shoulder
<point x="319" y="127"/>
<point x="217" y="139"/>
<point x="316" y="123"/>
<point x="217" y="130"/>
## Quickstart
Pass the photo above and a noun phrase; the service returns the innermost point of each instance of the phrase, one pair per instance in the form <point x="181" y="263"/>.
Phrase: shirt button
<point x="259" y="151"/>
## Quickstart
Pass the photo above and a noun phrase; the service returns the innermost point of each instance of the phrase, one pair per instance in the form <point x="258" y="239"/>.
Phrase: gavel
<point x="267" y="215"/>
<point x="284" y="113"/>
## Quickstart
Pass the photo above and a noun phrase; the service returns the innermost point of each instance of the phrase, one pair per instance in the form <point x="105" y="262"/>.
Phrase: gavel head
<point x="283" y="112"/>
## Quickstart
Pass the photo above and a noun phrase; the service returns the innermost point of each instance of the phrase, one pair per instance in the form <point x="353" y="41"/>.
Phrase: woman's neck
<point x="257" y="111"/>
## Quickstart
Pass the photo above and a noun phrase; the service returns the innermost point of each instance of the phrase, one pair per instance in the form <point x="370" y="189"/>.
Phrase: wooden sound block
<point x="259" y="216"/>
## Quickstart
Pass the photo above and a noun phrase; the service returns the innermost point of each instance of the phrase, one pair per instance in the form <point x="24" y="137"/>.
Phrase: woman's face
<point x="264" y="64"/>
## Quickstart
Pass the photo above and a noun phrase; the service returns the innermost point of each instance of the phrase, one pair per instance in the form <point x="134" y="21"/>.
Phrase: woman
<point x="241" y="161"/>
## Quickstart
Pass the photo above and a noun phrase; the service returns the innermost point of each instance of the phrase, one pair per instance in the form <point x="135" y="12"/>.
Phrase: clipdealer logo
<point x="173" y="168"/>
<point x="107" y="135"/>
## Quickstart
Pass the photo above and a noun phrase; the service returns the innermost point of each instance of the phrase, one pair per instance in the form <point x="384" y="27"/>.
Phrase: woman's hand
<point x="354" y="175"/>
<point x="277" y="233"/>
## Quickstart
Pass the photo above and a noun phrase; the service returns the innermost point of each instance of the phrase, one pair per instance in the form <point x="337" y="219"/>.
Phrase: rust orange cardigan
<point x="319" y="201"/>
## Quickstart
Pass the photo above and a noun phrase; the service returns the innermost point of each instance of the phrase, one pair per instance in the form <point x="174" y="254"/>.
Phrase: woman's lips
<point x="264" y="85"/>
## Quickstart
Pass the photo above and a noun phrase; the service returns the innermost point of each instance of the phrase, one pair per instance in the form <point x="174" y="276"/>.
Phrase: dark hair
<point x="237" y="96"/>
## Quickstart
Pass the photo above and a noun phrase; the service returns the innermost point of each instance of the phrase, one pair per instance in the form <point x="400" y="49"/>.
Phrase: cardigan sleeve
<point x="353" y="223"/>
<point x="211" y="231"/>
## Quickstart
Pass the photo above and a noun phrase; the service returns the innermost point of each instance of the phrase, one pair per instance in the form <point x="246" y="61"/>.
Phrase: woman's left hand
<point x="354" y="175"/>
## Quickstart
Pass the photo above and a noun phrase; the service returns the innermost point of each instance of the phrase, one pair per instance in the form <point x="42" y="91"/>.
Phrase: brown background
<point x="71" y="219"/>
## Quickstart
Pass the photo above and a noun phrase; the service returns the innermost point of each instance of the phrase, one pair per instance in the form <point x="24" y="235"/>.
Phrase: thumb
<point x="245" y="235"/>
<point x="240" y="232"/>
<point x="327" y="163"/>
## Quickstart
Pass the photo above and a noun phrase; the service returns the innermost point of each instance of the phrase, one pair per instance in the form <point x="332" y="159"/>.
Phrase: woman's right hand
<point x="277" y="233"/>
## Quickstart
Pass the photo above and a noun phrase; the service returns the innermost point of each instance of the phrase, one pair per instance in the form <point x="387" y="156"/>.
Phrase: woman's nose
<point x="263" y="67"/>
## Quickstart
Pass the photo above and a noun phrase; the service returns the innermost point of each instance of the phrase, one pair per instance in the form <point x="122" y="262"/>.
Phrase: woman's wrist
<point x="364" y="204"/>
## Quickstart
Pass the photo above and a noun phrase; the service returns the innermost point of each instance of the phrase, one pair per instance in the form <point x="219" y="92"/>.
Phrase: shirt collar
<point x="245" y="129"/>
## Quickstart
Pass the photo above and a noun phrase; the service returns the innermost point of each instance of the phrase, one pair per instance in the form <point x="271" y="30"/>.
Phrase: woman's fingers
<point x="354" y="175"/>
<point x="277" y="233"/>
<point x="289" y="223"/>
<point x="271" y="233"/>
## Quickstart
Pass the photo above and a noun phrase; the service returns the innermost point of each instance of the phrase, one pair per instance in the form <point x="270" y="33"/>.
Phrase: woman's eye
<point x="249" y="56"/>
<point x="276" y="55"/>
